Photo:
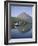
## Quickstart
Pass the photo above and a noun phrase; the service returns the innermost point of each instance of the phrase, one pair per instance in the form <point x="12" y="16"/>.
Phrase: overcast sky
<point x="16" y="10"/>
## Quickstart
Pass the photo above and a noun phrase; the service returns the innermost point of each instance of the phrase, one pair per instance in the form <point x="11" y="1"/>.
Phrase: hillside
<point x="24" y="20"/>
<point x="25" y="17"/>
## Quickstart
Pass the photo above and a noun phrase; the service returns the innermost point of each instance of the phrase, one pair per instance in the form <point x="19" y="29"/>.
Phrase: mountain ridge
<point x="24" y="16"/>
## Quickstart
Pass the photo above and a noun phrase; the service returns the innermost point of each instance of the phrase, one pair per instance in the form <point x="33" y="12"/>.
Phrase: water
<point x="15" y="33"/>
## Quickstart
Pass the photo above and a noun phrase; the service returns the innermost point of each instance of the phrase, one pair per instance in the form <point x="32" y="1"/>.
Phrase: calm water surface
<point x="15" y="33"/>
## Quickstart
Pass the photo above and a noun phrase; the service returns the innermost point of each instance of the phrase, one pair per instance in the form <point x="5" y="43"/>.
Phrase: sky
<point x="16" y="10"/>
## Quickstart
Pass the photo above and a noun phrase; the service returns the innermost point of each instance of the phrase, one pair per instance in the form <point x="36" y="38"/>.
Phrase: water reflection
<point x="15" y="33"/>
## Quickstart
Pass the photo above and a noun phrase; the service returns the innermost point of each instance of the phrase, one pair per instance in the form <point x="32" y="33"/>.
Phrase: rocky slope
<point x="25" y="17"/>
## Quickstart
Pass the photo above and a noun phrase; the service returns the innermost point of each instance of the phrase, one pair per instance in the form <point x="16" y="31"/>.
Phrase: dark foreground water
<point x="15" y="33"/>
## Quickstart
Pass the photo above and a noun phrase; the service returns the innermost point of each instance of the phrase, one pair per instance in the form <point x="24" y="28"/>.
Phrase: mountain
<point x="24" y="21"/>
<point x="24" y="16"/>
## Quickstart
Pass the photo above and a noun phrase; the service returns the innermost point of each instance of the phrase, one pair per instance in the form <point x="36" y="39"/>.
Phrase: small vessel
<point x="16" y="24"/>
